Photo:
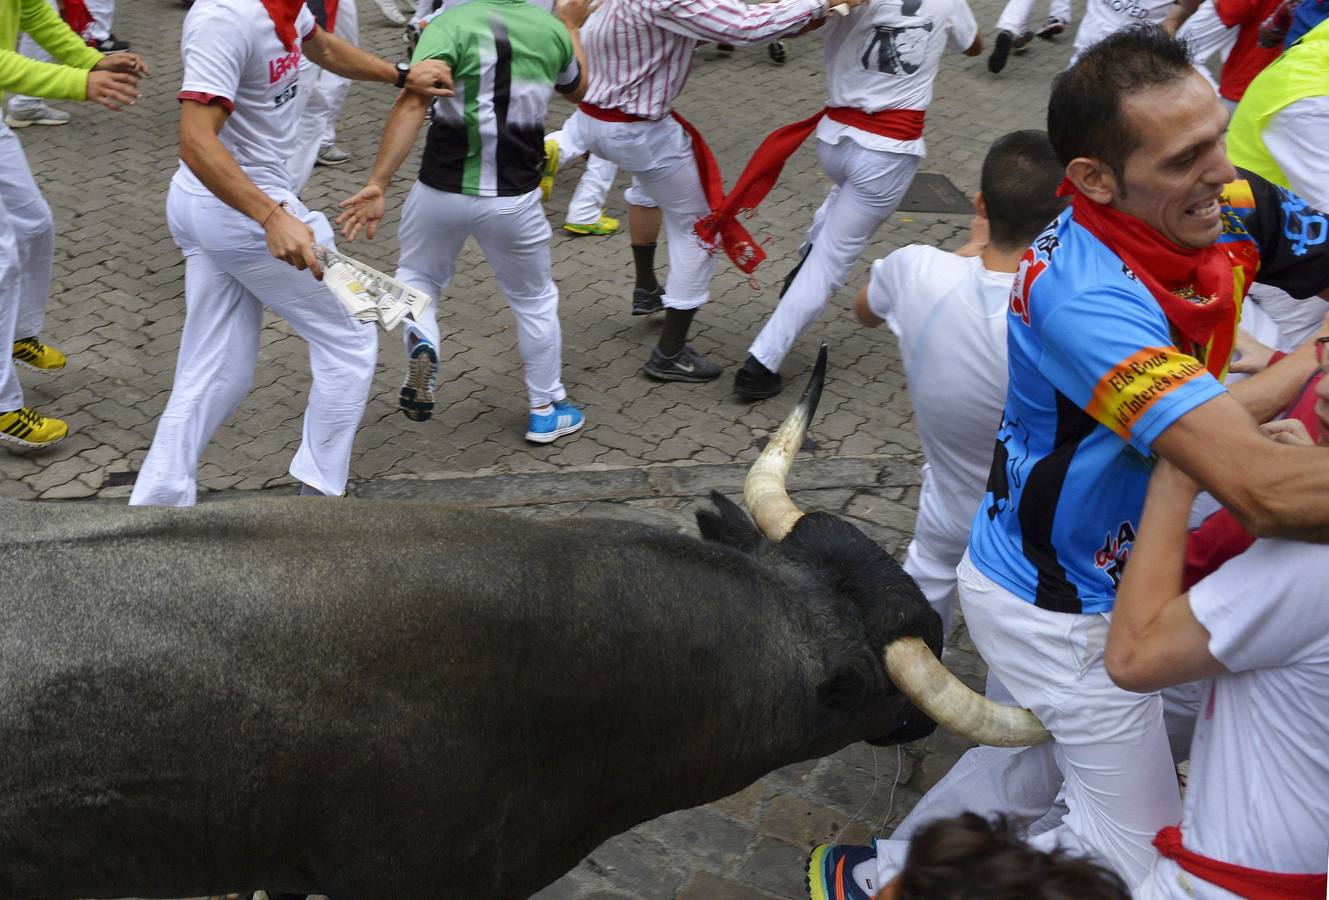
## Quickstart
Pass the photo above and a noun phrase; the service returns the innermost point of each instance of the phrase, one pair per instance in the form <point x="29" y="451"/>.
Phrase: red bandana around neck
<point x="283" y="14"/>
<point x="1195" y="288"/>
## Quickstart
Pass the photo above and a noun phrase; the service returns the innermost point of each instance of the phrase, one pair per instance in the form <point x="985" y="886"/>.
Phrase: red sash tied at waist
<point x="1244" y="882"/>
<point x="763" y="170"/>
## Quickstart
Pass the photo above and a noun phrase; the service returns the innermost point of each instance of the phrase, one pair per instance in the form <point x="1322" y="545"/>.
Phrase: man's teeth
<point x="1201" y="209"/>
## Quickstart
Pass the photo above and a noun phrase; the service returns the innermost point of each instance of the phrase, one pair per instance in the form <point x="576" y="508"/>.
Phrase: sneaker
<point x="1000" y="51"/>
<point x="390" y="11"/>
<point x="563" y="419"/>
<point x="111" y="44"/>
<point x="331" y="155"/>
<point x="1051" y="28"/>
<point x="647" y="302"/>
<point x="600" y="227"/>
<point x="778" y="52"/>
<point x="31" y="353"/>
<point x="756" y="382"/>
<point x="550" y="170"/>
<point x="36" y="114"/>
<point x="30" y="430"/>
<point x="725" y="48"/>
<point x="685" y="365"/>
<point x="417" y="391"/>
<point x="830" y="874"/>
<point x="1021" y="44"/>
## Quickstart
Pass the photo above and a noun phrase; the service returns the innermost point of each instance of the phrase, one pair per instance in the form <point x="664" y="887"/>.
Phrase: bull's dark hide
<point x="379" y="701"/>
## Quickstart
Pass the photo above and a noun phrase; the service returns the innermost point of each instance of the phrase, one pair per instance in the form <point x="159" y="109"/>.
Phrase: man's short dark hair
<point x="1084" y="113"/>
<point x="971" y="858"/>
<point x="1019" y="183"/>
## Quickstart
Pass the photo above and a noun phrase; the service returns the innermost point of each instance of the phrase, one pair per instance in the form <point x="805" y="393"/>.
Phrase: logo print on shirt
<point x="1005" y="469"/>
<point x="1115" y="552"/>
<point x="1033" y="264"/>
<point x="279" y="67"/>
<point x="1305" y="226"/>
<point x="899" y="49"/>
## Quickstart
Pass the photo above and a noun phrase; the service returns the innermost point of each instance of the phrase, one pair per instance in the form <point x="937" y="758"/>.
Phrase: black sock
<point x="674" y="334"/>
<point x="643" y="256"/>
<point x="755" y="366"/>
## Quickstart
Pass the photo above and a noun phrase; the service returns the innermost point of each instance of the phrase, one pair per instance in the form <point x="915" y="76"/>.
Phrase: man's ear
<point x="1094" y="178"/>
<point x="980" y="205"/>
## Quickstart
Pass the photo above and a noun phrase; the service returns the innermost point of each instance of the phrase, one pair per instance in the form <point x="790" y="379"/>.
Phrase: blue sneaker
<point x="563" y="419"/>
<point x="830" y="873"/>
<point x="417" y="391"/>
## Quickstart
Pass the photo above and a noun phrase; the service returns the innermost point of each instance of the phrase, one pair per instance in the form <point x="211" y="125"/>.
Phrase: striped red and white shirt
<point x="640" y="51"/>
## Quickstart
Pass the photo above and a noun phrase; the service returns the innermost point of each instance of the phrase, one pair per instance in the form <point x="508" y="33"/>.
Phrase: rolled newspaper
<point x="368" y="294"/>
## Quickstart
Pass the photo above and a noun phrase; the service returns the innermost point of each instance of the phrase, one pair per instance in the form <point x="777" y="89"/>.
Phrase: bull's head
<point x="910" y="662"/>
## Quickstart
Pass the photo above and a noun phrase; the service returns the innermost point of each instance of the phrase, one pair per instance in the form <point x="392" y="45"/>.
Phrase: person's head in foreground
<point x="1018" y="188"/>
<point x="1139" y="130"/>
<point x="971" y="858"/>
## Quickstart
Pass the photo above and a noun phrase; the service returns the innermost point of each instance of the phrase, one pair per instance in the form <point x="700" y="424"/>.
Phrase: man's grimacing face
<point x="1173" y="179"/>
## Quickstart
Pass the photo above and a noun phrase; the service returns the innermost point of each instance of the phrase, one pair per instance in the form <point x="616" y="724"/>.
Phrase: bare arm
<point x="1177" y="14"/>
<point x="573" y="14"/>
<point x="1155" y="640"/>
<point x="866" y="317"/>
<point x="288" y="239"/>
<point x="365" y="209"/>
<point x="1269" y="392"/>
<point x="429" y="78"/>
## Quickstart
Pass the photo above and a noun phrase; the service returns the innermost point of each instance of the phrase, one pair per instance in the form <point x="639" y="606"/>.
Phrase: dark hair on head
<point x="1019" y="183"/>
<point x="1084" y="113"/>
<point x="971" y="858"/>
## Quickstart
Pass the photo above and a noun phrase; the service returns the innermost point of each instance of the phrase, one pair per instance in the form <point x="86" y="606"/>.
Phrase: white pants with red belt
<point x="27" y="246"/>
<point x="513" y="234"/>
<point x="868" y="186"/>
<point x="230" y="277"/>
<point x="659" y="156"/>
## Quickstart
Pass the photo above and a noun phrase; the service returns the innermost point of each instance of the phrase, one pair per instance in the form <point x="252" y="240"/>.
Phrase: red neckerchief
<point x="283" y="14"/>
<point x="1195" y="288"/>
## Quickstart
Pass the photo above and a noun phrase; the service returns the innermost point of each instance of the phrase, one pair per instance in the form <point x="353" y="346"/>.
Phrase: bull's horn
<point x="764" y="492"/>
<point x="931" y="687"/>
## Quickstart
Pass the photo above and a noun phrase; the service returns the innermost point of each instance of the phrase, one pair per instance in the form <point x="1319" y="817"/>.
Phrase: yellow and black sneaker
<point x="30" y="430"/>
<point x="605" y="225"/>
<point x="549" y="171"/>
<point x="31" y="353"/>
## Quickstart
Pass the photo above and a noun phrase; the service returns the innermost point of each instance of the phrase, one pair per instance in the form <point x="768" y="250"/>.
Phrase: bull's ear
<point x="845" y="690"/>
<point x="728" y="525"/>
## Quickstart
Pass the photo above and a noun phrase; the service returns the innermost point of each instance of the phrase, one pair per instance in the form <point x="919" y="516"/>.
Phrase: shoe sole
<point x="548" y="437"/>
<point x="758" y="395"/>
<point x="38" y="369"/>
<point x="24" y="123"/>
<point x="1000" y="52"/>
<point x="1048" y="34"/>
<point x="30" y="445"/>
<point x="662" y="375"/>
<point x="777" y="52"/>
<point x="813" y="879"/>
<point x="588" y="231"/>
<point x="325" y="162"/>
<point x="416" y="399"/>
<point x="638" y="311"/>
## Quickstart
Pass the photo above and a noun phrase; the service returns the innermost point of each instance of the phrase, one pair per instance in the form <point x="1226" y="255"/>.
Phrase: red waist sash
<point x="1252" y="883"/>
<point x="765" y="166"/>
<point x="733" y="237"/>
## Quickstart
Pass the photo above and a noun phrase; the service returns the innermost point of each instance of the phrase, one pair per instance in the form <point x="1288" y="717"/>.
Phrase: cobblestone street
<point x="649" y="452"/>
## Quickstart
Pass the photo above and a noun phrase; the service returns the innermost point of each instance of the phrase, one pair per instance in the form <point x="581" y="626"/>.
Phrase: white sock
<point x="543" y="410"/>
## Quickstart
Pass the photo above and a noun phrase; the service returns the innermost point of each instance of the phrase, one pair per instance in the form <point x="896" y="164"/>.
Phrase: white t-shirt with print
<point x="231" y="51"/>
<point x="1105" y="17"/>
<point x="1258" y="793"/>
<point x="885" y="55"/>
<point x="949" y="313"/>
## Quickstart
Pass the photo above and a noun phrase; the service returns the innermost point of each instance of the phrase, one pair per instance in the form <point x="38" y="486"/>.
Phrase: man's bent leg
<point x="11" y="392"/>
<point x="33" y="232"/>
<point x="588" y="200"/>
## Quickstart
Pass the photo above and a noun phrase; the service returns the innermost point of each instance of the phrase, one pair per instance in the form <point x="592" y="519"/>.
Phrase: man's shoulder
<point x="236" y="20"/>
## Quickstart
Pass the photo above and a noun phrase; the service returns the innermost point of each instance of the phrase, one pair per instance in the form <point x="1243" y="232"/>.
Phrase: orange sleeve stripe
<point x="1128" y="391"/>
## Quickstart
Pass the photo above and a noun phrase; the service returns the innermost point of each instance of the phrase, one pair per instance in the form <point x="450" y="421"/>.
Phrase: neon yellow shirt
<point x="21" y="75"/>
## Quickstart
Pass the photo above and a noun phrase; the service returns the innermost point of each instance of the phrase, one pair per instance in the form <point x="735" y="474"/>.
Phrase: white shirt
<point x="640" y="51"/>
<point x="1258" y="793"/>
<point x="1295" y="138"/>
<point x="231" y="51"/>
<point x="885" y="55"/>
<point x="1105" y="17"/>
<point x="949" y="313"/>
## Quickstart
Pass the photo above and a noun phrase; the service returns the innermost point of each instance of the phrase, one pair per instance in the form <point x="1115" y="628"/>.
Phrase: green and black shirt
<point x="507" y="58"/>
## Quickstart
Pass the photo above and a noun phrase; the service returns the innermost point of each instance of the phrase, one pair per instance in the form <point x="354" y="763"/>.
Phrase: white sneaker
<point x="390" y="11"/>
<point x="35" y="114"/>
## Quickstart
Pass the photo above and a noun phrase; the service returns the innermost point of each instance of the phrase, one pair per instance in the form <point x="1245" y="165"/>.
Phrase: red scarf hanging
<point x="1251" y="883"/>
<point x="1195" y="288"/>
<point x="765" y="166"/>
<point x="77" y="16"/>
<point x="738" y="245"/>
<point x="283" y="14"/>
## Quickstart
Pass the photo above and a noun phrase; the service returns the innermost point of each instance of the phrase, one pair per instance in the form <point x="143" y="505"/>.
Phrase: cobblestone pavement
<point x="649" y="450"/>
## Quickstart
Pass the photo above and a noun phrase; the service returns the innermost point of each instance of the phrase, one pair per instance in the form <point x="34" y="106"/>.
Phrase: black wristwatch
<point x="403" y="70"/>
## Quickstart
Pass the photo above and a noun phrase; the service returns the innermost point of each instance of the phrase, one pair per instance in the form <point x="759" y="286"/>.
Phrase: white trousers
<point x="935" y="549"/>
<point x="323" y="94"/>
<point x="27" y="248"/>
<point x="1111" y="746"/>
<point x="868" y="186"/>
<point x="513" y="234"/>
<point x="102" y="12"/>
<point x="1015" y="14"/>
<point x="1205" y="34"/>
<point x="32" y="50"/>
<point x="229" y="278"/>
<point x="659" y="156"/>
<point x="588" y="199"/>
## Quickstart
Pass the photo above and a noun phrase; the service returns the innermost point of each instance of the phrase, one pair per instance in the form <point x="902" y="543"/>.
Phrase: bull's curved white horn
<point x="764" y="492"/>
<point x="933" y="688"/>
